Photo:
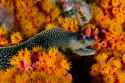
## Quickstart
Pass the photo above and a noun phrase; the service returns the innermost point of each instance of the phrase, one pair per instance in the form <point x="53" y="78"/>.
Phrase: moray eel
<point x="56" y="37"/>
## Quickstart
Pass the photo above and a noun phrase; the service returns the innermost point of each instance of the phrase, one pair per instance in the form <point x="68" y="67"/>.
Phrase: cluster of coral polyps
<point x="37" y="66"/>
<point x="14" y="38"/>
<point x="109" y="68"/>
<point x="30" y="17"/>
<point x="108" y="29"/>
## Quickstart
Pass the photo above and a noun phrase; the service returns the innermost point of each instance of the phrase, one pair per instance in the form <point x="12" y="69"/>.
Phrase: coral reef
<point x="37" y="66"/>
<point x="107" y="27"/>
<point x="109" y="67"/>
<point x="32" y="16"/>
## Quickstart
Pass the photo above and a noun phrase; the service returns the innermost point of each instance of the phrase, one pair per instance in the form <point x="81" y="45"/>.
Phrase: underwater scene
<point x="62" y="41"/>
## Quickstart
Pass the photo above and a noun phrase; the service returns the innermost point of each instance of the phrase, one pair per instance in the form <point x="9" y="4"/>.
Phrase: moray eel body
<point x="55" y="37"/>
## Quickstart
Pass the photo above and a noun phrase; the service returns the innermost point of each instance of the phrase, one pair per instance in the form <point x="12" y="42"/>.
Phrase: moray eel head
<point x="82" y="46"/>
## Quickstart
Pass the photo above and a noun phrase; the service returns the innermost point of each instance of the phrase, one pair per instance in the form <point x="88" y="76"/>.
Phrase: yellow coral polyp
<point x="47" y="5"/>
<point x="16" y="38"/>
<point x="109" y="79"/>
<point x="95" y="70"/>
<point x="102" y="57"/>
<point x="115" y="28"/>
<point x="116" y="63"/>
<point x="115" y="3"/>
<point x="50" y="26"/>
<point x="3" y="42"/>
<point x="70" y="24"/>
<point x="105" y="3"/>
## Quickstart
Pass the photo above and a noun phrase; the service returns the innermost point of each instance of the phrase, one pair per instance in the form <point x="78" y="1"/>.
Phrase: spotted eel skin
<point x="55" y="37"/>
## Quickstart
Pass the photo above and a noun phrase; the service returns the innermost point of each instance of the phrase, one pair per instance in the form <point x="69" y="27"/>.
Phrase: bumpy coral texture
<point x="107" y="27"/>
<point x="32" y="16"/>
<point x="37" y="66"/>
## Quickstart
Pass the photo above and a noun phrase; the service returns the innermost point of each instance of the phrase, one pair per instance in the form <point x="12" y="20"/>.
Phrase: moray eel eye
<point x="80" y="37"/>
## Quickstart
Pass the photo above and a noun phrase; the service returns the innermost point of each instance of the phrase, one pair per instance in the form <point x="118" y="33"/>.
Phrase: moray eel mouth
<point x="86" y="48"/>
<point x="85" y="51"/>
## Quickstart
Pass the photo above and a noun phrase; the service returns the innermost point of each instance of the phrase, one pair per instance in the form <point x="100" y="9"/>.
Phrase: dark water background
<point x="81" y="67"/>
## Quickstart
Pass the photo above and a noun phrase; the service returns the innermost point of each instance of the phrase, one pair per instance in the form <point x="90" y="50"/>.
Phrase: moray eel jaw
<point x="82" y="47"/>
<point x="85" y="51"/>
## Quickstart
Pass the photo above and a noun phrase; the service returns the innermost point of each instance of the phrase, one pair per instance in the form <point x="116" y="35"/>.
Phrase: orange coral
<point x="111" y="70"/>
<point x="23" y="60"/>
<point x="3" y="31"/>
<point x="38" y="66"/>
<point x="16" y="38"/>
<point x="108" y="16"/>
<point x="70" y="24"/>
<point x="3" y="41"/>
<point x="3" y="38"/>
<point x="31" y="20"/>
<point x="53" y="62"/>
<point x="33" y="16"/>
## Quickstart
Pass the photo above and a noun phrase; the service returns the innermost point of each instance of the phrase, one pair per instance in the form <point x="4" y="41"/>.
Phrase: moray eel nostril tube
<point x="56" y="37"/>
